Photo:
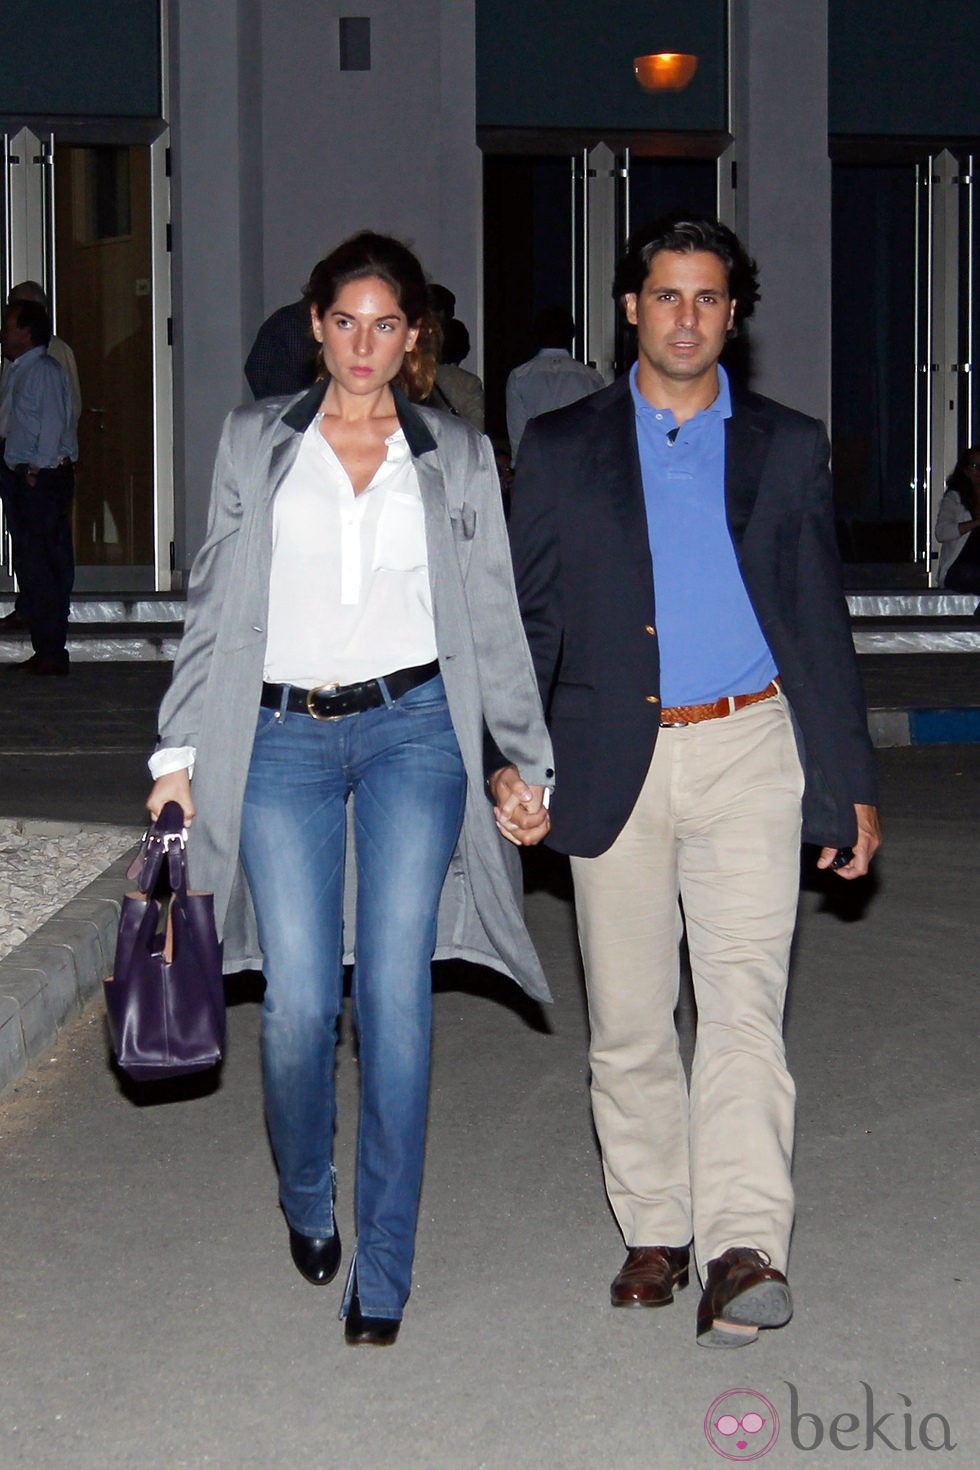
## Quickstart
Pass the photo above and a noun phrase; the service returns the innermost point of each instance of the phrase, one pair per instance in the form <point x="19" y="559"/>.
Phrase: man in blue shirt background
<point x="673" y="542"/>
<point x="37" y="482"/>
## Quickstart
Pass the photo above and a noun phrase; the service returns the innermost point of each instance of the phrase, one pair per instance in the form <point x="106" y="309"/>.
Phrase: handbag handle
<point x="166" y="838"/>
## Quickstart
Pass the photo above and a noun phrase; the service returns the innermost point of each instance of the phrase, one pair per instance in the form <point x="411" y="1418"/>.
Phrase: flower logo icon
<point x="742" y="1425"/>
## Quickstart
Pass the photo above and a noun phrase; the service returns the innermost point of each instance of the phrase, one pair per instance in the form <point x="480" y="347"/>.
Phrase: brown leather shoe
<point x="744" y="1292"/>
<point x="649" y="1274"/>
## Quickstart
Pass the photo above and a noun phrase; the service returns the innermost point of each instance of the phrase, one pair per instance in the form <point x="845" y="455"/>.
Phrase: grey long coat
<point x="214" y="697"/>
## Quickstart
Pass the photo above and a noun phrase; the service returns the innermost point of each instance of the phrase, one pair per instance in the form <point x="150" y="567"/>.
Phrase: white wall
<point x="279" y="156"/>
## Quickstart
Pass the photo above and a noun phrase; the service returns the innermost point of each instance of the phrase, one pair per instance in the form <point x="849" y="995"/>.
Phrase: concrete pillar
<point x="781" y="204"/>
<point x="207" y="69"/>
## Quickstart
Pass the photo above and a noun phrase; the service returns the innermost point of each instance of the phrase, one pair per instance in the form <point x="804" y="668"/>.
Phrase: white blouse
<point x="349" y="595"/>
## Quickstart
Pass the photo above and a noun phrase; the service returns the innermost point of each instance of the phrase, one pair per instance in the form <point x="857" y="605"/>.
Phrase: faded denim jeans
<point x="402" y="765"/>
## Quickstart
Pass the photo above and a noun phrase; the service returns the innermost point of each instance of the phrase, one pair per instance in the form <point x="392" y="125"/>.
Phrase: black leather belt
<point x="334" y="701"/>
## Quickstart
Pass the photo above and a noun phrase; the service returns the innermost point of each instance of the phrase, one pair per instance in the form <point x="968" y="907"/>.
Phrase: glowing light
<point x="665" y="71"/>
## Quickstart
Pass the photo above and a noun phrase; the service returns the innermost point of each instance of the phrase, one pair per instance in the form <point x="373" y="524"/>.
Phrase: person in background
<point x="283" y="358"/>
<point x="551" y="379"/>
<point x="37" y="482"/>
<point x="455" y="389"/>
<point x="441" y="303"/>
<point x="59" y="350"/>
<point x="958" y="527"/>
<point x="352" y="635"/>
<point x="57" y="347"/>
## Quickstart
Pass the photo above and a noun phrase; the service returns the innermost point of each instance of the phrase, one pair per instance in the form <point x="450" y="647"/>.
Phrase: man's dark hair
<point x="32" y="315"/>
<point x="686" y="233"/>
<point x="442" y="302"/>
<point x="553" y="326"/>
<point x="455" y="342"/>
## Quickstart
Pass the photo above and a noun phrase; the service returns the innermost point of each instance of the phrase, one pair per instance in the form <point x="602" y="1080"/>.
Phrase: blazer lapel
<point x="617" y="472"/>
<point x="748" y="434"/>
<point x="286" y="435"/>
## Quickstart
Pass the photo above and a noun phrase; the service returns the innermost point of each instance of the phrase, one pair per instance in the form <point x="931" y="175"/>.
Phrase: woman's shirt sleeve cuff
<point x="173" y="758"/>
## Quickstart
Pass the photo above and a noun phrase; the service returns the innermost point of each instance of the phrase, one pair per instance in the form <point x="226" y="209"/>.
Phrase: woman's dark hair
<point x="369" y="255"/>
<point x="686" y="233"/>
<point x="960" y="481"/>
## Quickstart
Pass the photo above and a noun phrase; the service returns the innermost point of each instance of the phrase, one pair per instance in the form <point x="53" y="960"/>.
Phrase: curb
<point x="890" y="727"/>
<point x="49" y="979"/>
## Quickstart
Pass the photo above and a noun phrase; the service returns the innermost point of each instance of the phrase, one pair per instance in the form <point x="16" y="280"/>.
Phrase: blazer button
<point x="652" y="699"/>
<point x="549" y="773"/>
<point x="651" y="631"/>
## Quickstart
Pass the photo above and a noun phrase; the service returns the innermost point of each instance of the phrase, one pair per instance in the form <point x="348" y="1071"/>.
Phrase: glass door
<point x="554" y="226"/>
<point x="905" y="325"/>
<point x="82" y="219"/>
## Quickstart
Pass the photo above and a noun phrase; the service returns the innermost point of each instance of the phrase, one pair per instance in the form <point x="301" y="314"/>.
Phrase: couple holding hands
<point x="359" y="696"/>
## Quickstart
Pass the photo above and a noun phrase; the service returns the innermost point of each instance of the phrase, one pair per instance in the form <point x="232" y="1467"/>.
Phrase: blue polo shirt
<point x="709" y="637"/>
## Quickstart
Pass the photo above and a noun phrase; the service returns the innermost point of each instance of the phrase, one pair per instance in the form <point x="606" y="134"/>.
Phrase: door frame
<point x="40" y="263"/>
<point x="944" y="395"/>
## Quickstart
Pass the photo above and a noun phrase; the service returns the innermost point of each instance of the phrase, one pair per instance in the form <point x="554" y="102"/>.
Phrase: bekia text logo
<point x="741" y="1425"/>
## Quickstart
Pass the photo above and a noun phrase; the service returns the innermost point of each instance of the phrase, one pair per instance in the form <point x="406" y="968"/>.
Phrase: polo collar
<point x="721" y="404"/>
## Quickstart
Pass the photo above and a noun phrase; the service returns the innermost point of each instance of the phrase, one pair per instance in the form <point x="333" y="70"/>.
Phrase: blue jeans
<point x="402" y="764"/>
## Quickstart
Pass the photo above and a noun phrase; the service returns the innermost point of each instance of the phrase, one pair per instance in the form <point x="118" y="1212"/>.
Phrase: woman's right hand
<point x="174" y="786"/>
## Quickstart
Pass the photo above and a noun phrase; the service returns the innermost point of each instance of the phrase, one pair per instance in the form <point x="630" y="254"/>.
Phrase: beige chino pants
<point x="716" y="825"/>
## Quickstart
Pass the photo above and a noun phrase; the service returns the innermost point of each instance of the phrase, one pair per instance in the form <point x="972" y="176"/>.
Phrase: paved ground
<point x="152" y="1318"/>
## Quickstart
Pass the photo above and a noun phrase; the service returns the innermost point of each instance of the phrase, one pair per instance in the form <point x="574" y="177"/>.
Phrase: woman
<point x="958" y="526"/>
<point x="352" y="631"/>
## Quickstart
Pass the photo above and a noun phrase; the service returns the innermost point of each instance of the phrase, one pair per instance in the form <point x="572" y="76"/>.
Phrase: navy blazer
<point x="585" y="582"/>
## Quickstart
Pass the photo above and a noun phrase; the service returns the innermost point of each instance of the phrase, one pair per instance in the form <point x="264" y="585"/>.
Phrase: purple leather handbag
<point x="165" y="999"/>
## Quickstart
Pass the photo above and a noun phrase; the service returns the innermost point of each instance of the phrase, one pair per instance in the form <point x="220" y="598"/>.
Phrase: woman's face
<point x="364" y="334"/>
<point x="971" y="464"/>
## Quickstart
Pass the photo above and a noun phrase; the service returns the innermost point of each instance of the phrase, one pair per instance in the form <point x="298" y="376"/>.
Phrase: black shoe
<point x="56" y="664"/>
<point x="361" y="1331"/>
<point x="40" y="664"/>
<point x="316" y="1258"/>
<point x="13" y="622"/>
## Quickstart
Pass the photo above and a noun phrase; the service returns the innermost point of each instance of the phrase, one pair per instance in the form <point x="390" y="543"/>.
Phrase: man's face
<point x="682" y="314"/>
<point x="15" y="340"/>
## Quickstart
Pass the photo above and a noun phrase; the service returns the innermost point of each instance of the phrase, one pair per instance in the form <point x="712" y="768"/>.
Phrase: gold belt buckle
<point x="310" y="693"/>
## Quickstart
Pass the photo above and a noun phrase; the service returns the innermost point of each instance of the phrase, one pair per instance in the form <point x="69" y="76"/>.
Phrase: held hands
<point x="519" y="809"/>
<point x="175" y="786"/>
<point x="867" y="844"/>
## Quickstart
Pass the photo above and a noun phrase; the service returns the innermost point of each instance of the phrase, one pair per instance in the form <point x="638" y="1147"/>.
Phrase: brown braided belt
<point x="676" y="716"/>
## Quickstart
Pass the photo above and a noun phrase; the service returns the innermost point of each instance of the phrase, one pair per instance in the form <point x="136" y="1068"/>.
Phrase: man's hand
<point x="174" y="786"/>
<point x="867" y="844"/>
<point x="519" y="809"/>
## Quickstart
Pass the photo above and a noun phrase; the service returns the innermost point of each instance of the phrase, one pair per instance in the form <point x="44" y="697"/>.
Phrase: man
<point x="676" y="720"/>
<point x="457" y="391"/>
<point x="57" y="347"/>
<point x="283" y="358"/>
<point x="551" y="379"/>
<point x="37" y="481"/>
